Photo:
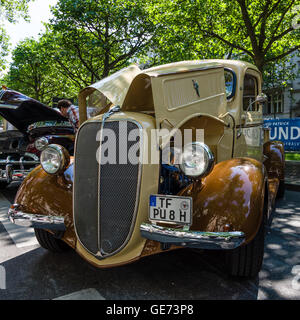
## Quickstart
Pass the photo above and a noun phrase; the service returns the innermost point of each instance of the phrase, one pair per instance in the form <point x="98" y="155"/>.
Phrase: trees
<point x="84" y="42"/>
<point x="99" y="36"/>
<point x="262" y="32"/>
<point x="10" y="10"/>
<point x="87" y="40"/>
<point x="32" y="73"/>
<point x="13" y="9"/>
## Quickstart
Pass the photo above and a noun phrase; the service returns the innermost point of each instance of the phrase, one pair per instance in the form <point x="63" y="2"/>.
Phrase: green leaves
<point x="33" y="74"/>
<point x="13" y="9"/>
<point x="257" y="31"/>
<point x="84" y="42"/>
<point x="10" y="10"/>
<point x="102" y="35"/>
<point x="87" y="40"/>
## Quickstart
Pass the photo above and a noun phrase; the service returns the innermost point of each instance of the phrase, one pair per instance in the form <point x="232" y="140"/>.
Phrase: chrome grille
<point x="106" y="196"/>
<point x="86" y="186"/>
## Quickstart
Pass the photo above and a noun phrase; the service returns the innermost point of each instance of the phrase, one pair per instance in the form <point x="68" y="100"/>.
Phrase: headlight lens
<point x="41" y="143"/>
<point x="197" y="160"/>
<point x="55" y="159"/>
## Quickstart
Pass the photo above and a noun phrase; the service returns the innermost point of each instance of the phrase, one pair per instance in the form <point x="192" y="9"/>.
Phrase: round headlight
<point x="197" y="160"/>
<point x="41" y="143"/>
<point x="55" y="159"/>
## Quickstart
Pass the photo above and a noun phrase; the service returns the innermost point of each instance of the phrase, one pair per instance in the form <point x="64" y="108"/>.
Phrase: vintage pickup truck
<point x="120" y="198"/>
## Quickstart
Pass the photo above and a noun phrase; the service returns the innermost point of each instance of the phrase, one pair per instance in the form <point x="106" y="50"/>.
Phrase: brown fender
<point x="42" y="193"/>
<point x="230" y="198"/>
<point x="274" y="162"/>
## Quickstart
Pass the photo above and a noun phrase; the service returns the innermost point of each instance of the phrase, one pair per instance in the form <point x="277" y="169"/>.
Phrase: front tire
<point x="246" y="261"/>
<point x="281" y="190"/>
<point x="49" y="242"/>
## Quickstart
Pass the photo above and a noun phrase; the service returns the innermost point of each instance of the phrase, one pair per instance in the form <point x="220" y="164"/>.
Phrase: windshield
<point x="96" y="102"/>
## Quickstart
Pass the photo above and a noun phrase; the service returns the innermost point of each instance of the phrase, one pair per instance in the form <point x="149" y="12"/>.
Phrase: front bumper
<point x="13" y="175"/>
<point x="192" y="239"/>
<point x="14" y="169"/>
<point x="38" y="221"/>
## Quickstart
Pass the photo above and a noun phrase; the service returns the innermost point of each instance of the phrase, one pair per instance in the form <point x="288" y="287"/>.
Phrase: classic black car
<point x="28" y="127"/>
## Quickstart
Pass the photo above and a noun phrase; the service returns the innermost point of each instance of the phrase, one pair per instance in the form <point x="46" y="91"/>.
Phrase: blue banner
<point x="285" y="130"/>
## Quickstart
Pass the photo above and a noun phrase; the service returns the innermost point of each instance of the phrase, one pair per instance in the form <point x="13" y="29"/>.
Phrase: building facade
<point x="284" y="103"/>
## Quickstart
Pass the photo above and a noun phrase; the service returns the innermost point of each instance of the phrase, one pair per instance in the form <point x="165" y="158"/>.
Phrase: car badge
<point x="184" y="205"/>
<point x="196" y="87"/>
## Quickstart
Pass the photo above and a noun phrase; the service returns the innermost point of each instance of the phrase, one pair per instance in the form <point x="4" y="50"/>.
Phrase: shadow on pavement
<point x="181" y="274"/>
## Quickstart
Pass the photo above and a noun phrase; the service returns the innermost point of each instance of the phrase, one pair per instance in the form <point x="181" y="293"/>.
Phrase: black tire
<point x="281" y="190"/>
<point x="3" y="184"/>
<point x="246" y="261"/>
<point x="49" y="242"/>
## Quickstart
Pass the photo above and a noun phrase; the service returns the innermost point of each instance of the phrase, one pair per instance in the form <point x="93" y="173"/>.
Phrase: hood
<point x="115" y="86"/>
<point x="21" y="111"/>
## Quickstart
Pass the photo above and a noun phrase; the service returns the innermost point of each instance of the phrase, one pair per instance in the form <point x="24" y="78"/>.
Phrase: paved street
<point x="34" y="273"/>
<point x="292" y="173"/>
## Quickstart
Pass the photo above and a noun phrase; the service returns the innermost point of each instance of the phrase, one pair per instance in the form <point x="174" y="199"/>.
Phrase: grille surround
<point x="103" y="252"/>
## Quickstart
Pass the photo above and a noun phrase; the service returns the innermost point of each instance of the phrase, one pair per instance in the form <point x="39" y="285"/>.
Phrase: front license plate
<point x="171" y="209"/>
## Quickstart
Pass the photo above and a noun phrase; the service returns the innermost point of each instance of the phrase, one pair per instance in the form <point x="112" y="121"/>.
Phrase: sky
<point x="39" y="11"/>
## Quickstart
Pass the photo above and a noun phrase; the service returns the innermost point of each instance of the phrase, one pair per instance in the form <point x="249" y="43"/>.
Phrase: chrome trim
<point x="73" y="191"/>
<point x="10" y="174"/>
<point x="193" y="239"/>
<point x="101" y="253"/>
<point x="41" y="139"/>
<point x="50" y="123"/>
<point x="21" y="161"/>
<point x="210" y="156"/>
<point x="7" y="106"/>
<point x="38" y="221"/>
<point x="16" y="175"/>
<point x="64" y="161"/>
<point x="32" y="156"/>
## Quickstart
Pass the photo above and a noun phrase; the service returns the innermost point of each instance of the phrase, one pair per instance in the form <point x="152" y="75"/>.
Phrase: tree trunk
<point x="259" y="62"/>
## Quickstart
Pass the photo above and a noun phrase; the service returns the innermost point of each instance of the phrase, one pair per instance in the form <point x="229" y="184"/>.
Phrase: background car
<point x="28" y="127"/>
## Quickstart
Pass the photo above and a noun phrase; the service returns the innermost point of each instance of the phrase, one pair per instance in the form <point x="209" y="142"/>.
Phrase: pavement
<point x="27" y="271"/>
<point x="292" y="174"/>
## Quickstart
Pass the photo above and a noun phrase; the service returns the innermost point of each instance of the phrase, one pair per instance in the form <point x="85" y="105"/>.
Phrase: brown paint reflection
<point x="46" y="194"/>
<point x="231" y="195"/>
<point x="274" y="163"/>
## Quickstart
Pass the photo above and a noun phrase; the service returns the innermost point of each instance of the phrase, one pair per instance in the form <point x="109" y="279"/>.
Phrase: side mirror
<point x="261" y="98"/>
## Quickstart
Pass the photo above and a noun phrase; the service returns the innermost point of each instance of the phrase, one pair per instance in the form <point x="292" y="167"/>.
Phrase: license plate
<point x="171" y="209"/>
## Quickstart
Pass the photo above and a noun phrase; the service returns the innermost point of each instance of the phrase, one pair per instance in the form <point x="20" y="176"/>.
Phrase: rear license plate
<point x="171" y="209"/>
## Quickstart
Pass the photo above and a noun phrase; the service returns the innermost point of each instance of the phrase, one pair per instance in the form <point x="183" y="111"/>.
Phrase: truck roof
<point x="189" y="65"/>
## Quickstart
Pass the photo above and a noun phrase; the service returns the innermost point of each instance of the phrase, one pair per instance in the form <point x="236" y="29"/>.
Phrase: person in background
<point x="69" y="111"/>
